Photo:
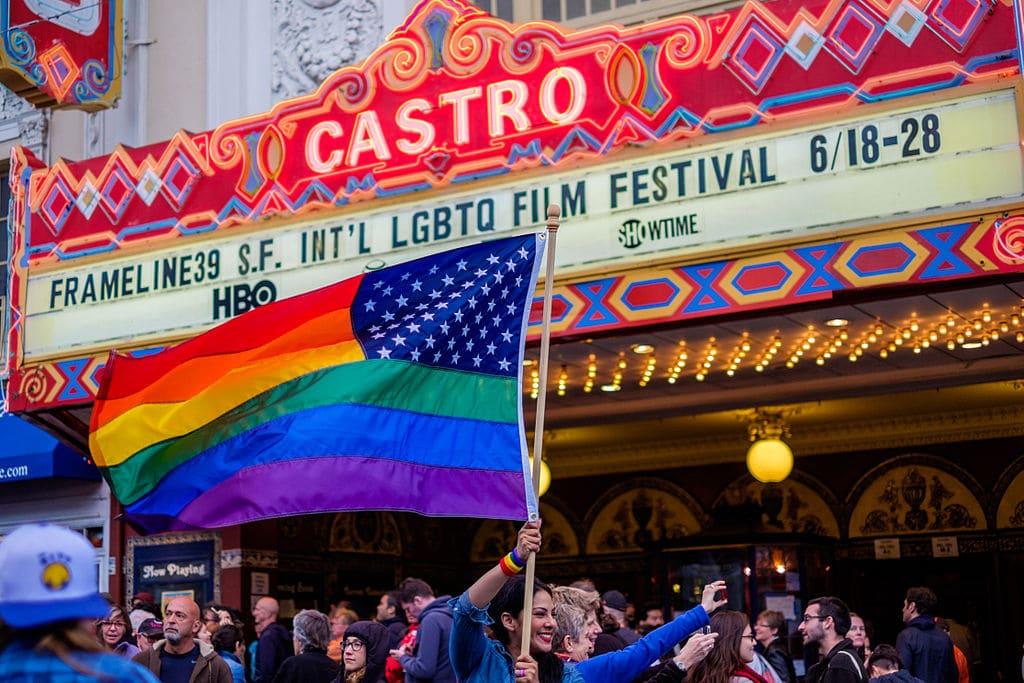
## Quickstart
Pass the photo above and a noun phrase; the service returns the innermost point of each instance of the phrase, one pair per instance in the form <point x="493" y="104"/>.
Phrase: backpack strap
<point x="856" y="662"/>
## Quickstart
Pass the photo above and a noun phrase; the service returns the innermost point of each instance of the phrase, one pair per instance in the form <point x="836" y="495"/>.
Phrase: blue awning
<point x="27" y="452"/>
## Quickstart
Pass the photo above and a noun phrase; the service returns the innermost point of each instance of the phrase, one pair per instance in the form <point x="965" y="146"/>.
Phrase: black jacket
<point x="274" y="647"/>
<point x="312" y="666"/>
<point x="396" y="629"/>
<point x="778" y="656"/>
<point x="927" y="652"/>
<point x="377" y="639"/>
<point x="840" y="665"/>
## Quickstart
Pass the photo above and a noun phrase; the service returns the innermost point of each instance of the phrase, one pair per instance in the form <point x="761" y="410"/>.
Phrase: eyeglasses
<point x="355" y="645"/>
<point x="749" y="635"/>
<point x="119" y="624"/>
<point x="808" y="617"/>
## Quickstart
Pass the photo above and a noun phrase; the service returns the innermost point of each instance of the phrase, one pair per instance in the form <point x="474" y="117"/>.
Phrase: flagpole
<point x="538" y="428"/>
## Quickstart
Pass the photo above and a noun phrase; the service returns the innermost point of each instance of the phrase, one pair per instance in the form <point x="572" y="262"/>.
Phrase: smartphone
<point x="706" y="629"/>
<point x="722" y="595"/>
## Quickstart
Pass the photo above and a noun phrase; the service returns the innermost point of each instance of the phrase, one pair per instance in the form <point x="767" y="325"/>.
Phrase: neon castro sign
<point x="414" y="127"/>
<point x="455" y="96"/>
<point x="677" y="203"/>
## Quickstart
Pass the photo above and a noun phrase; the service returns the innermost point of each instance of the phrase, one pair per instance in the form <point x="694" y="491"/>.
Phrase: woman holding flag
<point x="496" y="599"/>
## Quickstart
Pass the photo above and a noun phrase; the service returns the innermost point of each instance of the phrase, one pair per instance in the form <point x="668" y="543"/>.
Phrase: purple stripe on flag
<point x="314" y="485"/>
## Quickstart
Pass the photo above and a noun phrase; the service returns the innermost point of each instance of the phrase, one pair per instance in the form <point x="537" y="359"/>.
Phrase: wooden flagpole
<point x="554" y="213"/>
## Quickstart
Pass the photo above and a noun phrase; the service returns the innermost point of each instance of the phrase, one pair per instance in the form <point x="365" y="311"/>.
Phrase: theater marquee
<point x="772" y="122"/>
<point x="668" y="204"/>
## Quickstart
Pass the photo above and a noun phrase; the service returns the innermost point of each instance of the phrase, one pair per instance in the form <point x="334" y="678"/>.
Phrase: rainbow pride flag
<point x="398" y="389"/>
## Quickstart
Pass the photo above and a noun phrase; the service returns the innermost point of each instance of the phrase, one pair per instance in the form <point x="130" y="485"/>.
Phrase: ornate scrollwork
<point x="22" y="47"/>
<point x="94" y="81"/>
<point x="1009" y="239"/>
<point x="35" y="384"/>
<point x="689" y="45"/>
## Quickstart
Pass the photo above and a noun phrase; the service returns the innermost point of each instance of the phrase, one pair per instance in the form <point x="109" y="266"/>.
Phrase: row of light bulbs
<point x="833" y="340"/>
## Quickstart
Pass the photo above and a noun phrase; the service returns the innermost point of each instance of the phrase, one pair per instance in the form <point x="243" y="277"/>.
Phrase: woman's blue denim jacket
<point x="478" y="659"/>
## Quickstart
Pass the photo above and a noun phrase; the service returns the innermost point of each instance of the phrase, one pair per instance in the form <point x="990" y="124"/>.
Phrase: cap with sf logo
<point x="48" y="574"/>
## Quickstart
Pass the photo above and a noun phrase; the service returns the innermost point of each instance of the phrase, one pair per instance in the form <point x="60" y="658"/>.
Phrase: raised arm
<point x="488" y="585"/>
<point x="468" y="644"/>
<point x="628" y="663"/>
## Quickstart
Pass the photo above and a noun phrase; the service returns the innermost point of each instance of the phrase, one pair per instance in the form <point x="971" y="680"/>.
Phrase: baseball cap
<point x="137" y="616"/>
<point x="615" y="600"/>
<point x="48" y="574"/>
<point x="151" y="627"/>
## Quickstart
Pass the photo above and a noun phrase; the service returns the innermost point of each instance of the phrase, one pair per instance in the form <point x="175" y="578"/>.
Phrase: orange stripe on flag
<point x="147" y="424"/>
<point x="179" y="383"/>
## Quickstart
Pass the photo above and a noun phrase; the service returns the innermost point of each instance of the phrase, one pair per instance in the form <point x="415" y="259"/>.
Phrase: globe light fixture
<point x="769" y="458"/>
<point x="545" y="477"/>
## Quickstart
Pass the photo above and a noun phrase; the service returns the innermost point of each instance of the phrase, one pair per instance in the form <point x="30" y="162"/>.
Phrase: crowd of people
<point x="54" y="626"/>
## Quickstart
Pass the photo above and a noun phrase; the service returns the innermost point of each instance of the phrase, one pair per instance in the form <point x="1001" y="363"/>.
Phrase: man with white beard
<point x="179" y="657"/>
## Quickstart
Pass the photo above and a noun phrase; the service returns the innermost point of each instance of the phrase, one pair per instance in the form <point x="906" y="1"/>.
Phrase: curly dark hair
<point x="510" y="600"/>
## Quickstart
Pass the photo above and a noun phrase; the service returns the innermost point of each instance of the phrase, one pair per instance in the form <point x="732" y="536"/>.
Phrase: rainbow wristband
<point x="515" y="558"/>
<point x="509" y="567"/>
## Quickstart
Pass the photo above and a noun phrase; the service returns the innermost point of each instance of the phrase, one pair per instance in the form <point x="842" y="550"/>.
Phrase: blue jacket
<point x="19" y="663"/>
<point x="235" y="664"/>
<point x="927" y="652"/>
<point x="478" y="659"/>
<point x="430" y="662"/>
<point x="630" y="662"/>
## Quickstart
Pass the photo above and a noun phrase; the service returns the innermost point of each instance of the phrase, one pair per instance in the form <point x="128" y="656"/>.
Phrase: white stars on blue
<point x="462" y="310"/>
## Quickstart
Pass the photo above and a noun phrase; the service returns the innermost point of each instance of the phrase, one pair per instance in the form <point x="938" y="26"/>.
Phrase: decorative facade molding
<point x="305" y="564"/>
<point x="913" y="493"/>
<point x="236" y="558"/>
<point x="314" y="38"/>
<point x="231" y="558"/>
<point x="696" y="450"/>
<point x="373" y="532"/>
<point x="799" y="505"/>
<point x="918" y="546"/>
<point x="22" y="123"/>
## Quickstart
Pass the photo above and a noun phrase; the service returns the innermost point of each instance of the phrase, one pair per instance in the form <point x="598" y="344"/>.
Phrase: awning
<point x="27" y="452"/>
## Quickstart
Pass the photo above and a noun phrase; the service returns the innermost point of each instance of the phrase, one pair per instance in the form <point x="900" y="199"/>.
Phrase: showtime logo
<point x="635" y="232"/>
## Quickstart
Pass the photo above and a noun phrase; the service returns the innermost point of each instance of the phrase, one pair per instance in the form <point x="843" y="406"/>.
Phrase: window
<point x="503" y="9"/>
<point x="604" y="11"/>
<point x="584" y="13"/>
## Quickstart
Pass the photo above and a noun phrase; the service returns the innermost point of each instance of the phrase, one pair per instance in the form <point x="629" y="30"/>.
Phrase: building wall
<point x="177" y="68"/>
